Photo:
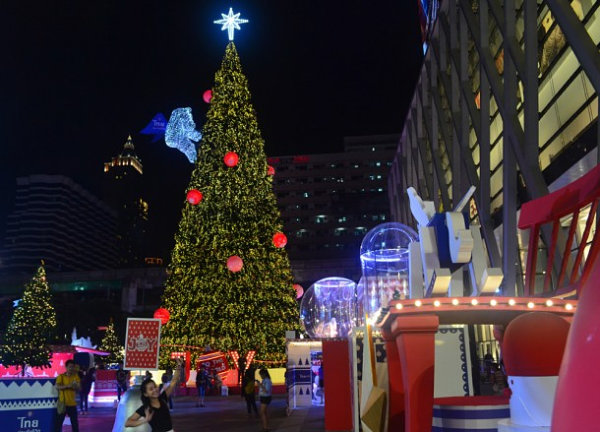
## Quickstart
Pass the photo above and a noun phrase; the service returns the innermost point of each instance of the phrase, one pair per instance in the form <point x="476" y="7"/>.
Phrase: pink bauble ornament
<point x="163" y="315"/>
<point x="299" y="290"/>
<point x="194" y="196"/>
<point x="270" y="170"/>
<point x="207" y="96"/>
<point x="279" y="239"/>
<point x="231" y="159"/>
<point x="234" y="263"/>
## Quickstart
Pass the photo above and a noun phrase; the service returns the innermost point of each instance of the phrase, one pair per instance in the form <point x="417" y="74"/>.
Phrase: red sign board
<point x="215" y="360"/>
<point x="141" y="343"/>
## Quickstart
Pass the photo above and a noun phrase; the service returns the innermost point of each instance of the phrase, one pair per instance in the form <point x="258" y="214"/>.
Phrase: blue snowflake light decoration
<point x="181" y="133"/>
<point x="231" y="22"/>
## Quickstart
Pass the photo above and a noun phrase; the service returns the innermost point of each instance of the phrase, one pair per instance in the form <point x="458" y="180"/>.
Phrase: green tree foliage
<point x="32" y="326"/>
<point x="210" y="305"/>
<point x="110" y="343"/>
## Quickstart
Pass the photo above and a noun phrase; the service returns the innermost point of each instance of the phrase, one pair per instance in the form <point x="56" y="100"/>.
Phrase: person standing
<point x="154" y="410"/>
<point x="248" y="388"/>
<point x="165" y="382"/>
<point x="264" y="393"/>
<point x="122" y="381"/>
<point x="202" y="379"/>
<point x="68" y="384"/>
<point x="86" y="378"/>
<point x="217" y="382"/>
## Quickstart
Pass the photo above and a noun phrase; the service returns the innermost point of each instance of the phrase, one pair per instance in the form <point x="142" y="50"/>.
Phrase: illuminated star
<point x="231" y="22"/>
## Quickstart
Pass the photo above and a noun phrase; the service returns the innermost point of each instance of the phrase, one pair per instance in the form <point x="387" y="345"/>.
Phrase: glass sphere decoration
<point x="231" y="159"/>
<point x="207" y="96"/>
<point x="384" y="260"/>
<point x="194" y="196"/>
<point x="279" y="239"/>
<point x="299" y="290"/>
<point x="328" y="308"/>
<point x="270" y="170"/>
<point x="235" y="263"/>
<point x="162" y="314"/>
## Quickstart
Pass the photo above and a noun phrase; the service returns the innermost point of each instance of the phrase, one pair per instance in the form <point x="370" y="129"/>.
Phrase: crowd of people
<point x="157" y="400"/>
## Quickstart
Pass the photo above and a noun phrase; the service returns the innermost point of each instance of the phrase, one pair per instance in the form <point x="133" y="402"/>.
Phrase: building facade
<point x="328" y="202"/>
<point x="56" y="220"/>
<point x="507" y="102"/>
<point x="123" y="186"/>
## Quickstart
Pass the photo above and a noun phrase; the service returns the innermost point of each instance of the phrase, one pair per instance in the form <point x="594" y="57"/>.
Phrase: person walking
<point x="202" y="381"/>
<point x="86" y="378"/>
<point x="265" y="388"/>
<point x="154" y="410"/>
<point x="248" y="389"/>
<point x="166" y="380"/>
<point x="67" y="384"/>
<point x="122" y="381"/>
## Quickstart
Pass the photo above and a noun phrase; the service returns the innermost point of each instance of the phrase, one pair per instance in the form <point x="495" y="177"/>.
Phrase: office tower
<point x="56" y="220"/>
<point x="123" y="190"/>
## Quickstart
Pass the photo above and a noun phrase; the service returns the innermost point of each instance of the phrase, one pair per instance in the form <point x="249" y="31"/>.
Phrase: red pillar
<point x="336" y="374"/>
<point x="415" y="339"/>
<point x="396" y="416"/>
<point x="577" y="398"/>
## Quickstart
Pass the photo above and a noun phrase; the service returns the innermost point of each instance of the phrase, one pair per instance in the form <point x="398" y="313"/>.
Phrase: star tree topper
<point x="231" y="22"/>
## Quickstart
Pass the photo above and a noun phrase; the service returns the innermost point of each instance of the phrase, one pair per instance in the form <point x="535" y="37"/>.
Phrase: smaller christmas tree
<point x="110" y="344"/>
<point x="31" y="327"/>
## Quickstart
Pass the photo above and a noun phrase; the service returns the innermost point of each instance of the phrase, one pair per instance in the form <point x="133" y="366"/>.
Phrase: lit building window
<point x="339" y="231"/>
<point x="358" y="231"/>
<point x="377" y="163"/>
<point x="342" y="219"/>
<point x="321" y="219"/>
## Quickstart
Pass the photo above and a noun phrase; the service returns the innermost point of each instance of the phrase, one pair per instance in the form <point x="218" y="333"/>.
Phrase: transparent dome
<point x="384" y="260"/>
<point x="328" y="308"/>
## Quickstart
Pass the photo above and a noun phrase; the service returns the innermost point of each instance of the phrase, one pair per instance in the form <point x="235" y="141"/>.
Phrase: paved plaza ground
<point x="221" y="413"/>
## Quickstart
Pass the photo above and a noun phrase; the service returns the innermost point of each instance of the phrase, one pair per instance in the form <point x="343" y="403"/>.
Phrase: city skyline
<point x="83" y="78"/>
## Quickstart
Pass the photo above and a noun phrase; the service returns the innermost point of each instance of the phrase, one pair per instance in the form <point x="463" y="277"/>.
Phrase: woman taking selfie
<point x="154" y="409"/>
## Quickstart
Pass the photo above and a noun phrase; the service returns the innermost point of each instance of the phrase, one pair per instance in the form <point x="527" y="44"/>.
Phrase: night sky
<point x="78" y="77"/>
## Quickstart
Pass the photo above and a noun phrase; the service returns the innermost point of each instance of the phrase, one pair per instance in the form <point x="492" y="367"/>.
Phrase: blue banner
<point x="28" y="405"/>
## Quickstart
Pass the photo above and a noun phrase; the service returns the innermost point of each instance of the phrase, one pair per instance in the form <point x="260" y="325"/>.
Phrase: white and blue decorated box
<point x="28" y="404"/>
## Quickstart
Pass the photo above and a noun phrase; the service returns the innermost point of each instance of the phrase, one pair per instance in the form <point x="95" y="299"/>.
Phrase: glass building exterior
<point x="506" y="101"/>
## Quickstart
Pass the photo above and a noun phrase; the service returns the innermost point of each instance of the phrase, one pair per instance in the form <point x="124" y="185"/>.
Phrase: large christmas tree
<point x="31" y="327"/>
<point x="209" y="304"/>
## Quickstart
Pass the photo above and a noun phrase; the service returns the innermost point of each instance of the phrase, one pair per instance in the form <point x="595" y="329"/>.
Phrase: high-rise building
<point x="56" y="220"/>
<point x="328" y="202"/>
<point x="124" y="192"/>
<point x="507" y="101"/>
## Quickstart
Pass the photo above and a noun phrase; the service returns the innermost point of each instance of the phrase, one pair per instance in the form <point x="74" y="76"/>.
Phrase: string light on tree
<point x="231" y="22"/>
<point x="270" y="170"/>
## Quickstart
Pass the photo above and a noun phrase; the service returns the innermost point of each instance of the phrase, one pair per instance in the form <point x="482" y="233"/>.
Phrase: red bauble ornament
<point x="194" y="196"/>
<point x="163" y="315"/>
<point x="270" y="170"/>
<point x="231" y="159"/>
<point x="299" y="290"/>
<point x="534" y="343"/>
<point x="279" y="239"/>
<point x="234" y="263"/>
<point x="207" y="96"/>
